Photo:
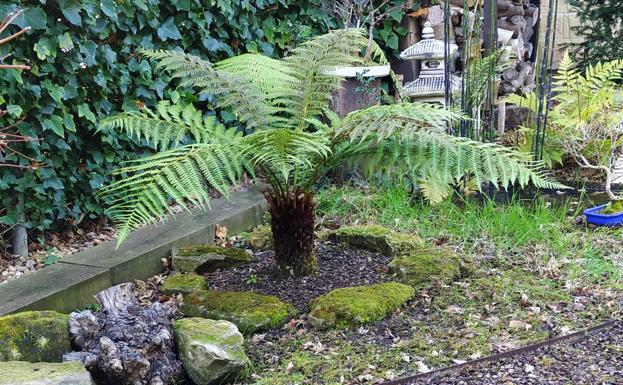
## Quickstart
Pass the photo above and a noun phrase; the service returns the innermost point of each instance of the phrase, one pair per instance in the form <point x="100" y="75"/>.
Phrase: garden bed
<point x="338" y="266"/>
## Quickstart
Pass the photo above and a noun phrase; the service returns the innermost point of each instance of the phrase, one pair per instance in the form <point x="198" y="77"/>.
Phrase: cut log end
<point x="126" y="343"/>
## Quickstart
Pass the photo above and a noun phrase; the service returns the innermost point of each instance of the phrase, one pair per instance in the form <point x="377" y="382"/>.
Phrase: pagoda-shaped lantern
<point x="430" y="85"/>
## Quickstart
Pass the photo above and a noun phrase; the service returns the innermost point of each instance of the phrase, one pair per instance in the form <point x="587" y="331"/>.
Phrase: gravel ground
<point x="591" y="360"/>
<point x="338" y="266"/>
<point x="14" y="267"/>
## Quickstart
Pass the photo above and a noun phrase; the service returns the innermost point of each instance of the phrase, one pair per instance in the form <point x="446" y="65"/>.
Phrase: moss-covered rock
<point x="352" y="306"/>
<point x="422" y="267"/>
<point x="211" y="351"/>
<point x="207" y="258"/>
<point x="261" y="238"/>
<point x="183" y="284"/>
<point x="250" y="311"/>
<point x="43" y="373"/>
<point x="377" y="238"/>
<point x="34" y="336"/>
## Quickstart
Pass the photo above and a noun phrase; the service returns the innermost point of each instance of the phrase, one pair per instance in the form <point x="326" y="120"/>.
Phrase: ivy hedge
<point x="84" y="68"/>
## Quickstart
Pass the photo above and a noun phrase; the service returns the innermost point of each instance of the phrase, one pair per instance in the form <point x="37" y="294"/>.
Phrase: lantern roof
<point x="427" y="48"/>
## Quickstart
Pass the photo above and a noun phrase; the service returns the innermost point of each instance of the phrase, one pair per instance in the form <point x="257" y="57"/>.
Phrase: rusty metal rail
<point x="511" y="353"/>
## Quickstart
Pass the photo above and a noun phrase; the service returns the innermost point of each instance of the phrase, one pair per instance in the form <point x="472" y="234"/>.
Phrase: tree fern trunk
<point x="293" y="222"/>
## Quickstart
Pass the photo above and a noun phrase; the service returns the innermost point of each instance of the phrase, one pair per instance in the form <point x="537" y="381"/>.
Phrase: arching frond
<point x="310" y="63"/>
<point x="169" y="124"/>
<point x="245" y="99"/>
<point x="394" y="120"/>
<point x="272" y="76"/>
<point x="184" y="174"/>
<point x="442" y="160"/>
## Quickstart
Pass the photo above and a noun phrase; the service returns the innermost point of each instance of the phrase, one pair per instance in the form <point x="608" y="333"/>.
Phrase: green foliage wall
<point x="84" y="67"/>
<point x="600" y="28"/>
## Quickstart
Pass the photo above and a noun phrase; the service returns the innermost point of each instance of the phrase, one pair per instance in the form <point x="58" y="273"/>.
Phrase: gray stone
<point x="43" y="373"/>
<point x="211" y="351"/>
<point x="207" y="258"/>
<point x="261" y="238"/>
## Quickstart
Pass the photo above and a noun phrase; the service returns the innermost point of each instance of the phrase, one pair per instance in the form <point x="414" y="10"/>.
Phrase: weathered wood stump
<point x="126" y="343"/>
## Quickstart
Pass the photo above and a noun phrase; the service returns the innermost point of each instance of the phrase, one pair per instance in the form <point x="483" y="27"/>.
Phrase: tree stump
<point x="126" y="343"/>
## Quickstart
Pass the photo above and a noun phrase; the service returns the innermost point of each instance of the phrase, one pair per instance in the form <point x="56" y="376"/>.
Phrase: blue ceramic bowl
<point x="594" y="217"/>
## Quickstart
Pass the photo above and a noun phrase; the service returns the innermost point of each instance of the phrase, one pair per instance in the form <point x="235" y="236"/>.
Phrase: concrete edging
<point x="72" y="282"/>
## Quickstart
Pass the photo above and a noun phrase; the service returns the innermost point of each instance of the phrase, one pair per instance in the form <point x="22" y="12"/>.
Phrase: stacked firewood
<point x="516" y="22"/>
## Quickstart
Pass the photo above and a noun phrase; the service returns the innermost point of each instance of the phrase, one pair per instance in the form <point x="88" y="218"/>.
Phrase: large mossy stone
<point x="207" y="258"/>
<point x="420" y="268"/>
<point x="377" y="238"/>
<point x="211" y="351"/>
<point x="43" y="373"/>
<point x="251" y="312"/>
<point x="352" y="306"/>
<point x="34" y="336"/>
<point x="183" y="284"/>
<point x="261" y="238"/>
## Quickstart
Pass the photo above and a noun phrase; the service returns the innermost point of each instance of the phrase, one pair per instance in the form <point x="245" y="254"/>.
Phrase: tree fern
<point x="292" y="138"/>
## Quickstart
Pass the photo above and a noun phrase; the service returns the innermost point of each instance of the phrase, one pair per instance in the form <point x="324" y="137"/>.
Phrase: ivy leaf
<point x="55" y="123"/>
<point x="34" y="18"/>
<point x="85" y="112"/>
<point x="109" y="8"/>
<point x="54" y="183"/>
<point x="168" y="30"/>
<point x="71" y="11"/>
<point x="14" y="110"/>
<point x="65" y="42"/>
<point x="392" y="42"/>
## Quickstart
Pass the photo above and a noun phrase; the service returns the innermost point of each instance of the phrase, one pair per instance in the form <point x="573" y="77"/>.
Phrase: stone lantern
<point x="430" y="85"/>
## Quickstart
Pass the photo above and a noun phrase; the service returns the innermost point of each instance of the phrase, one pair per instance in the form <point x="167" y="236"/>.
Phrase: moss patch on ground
<point x="34" y="336"/>
<point x="183" y="284"/>
<point x="357" y="305"/>
<point x="377" y="238"/>
<point x="250" y="311"/>
<point x="73" y="373"/>
<point x="423" y="267"/>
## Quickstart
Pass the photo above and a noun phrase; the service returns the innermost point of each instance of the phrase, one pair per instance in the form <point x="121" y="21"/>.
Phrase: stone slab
<point x="140" y="256"/>
<point x="72" y="282"/>
<point x="61" y="287"/>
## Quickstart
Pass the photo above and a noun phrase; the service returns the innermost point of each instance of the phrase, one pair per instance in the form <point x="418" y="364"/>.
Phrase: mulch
<point x="594" y="359"/>
<point x="338" y="266"/>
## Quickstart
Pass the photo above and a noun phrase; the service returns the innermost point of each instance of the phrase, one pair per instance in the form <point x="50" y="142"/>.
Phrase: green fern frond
<point x="396" y="119"/>
<point x="246" y="100"/>
<point x="185" y="174"/>
<point x="310" y="62"/>
<point x="445" y="159"/>
<point x="168" y="125"/>
<point x="273" y="77"/>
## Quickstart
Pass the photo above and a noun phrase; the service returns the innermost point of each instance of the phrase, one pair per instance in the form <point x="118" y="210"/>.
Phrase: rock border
<point x="72" y="282"/>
